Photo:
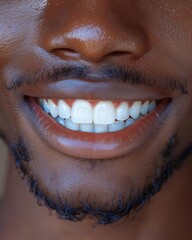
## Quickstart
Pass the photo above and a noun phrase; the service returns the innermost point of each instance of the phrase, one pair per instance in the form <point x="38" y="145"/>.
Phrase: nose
<point x="92" y="31"/>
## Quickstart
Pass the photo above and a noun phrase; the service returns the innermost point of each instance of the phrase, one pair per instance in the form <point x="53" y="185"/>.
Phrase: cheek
<point x="19" y="21"/>
<point x="185" y="129"/>
<point x="7" y="123"/>
<point x="168" y="24"/>
<point x="19" y="26"/>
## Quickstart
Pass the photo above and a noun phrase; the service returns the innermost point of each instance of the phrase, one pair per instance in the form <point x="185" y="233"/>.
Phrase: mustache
<point x="106" y="73"/>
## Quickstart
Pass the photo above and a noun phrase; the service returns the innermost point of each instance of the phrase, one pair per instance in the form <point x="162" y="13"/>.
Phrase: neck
<point x="21" y="216"/>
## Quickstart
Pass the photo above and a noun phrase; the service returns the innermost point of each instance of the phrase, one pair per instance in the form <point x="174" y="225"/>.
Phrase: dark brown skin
<point x="151" y="37"/>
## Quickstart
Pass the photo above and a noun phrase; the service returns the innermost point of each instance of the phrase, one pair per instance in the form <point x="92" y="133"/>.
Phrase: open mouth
<point x="97" y="129"/>
<point x="96" y="116"/>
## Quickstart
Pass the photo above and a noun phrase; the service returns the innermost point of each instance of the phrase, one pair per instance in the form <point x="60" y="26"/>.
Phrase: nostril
<point x="116" y="54"/>
<point x="69" y="50"/>
<point x="66" y="52"/>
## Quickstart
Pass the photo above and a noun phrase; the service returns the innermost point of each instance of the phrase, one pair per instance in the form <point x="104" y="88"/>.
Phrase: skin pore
<point x="96" y="50"/>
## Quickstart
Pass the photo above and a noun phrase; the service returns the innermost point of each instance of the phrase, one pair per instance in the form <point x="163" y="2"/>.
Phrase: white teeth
<point x="122" y="112"/>
<point x="152" y="106"/>
<point x="101" y="128"/>
<point x="104" y="113"/>
<point x="118" y="125"/>
<point x="71" y="125"/>
<point x="129" y="122"/>
<point x="53" y="108"/>
<point x="87" y="127"/>
<point x="82" y="112"/>
<point x="60" y="121"/>
<point x="64" y="110"/>
<point x="104" y="117"/>
<point x="135" y="109"/>
<point x="46" y="106"/>
<point x="144" y="108"/>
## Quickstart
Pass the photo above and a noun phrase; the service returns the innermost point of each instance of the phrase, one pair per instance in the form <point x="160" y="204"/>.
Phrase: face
<point x="95" y="99"/>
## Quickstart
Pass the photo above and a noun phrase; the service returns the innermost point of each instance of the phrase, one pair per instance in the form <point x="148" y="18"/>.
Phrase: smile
<point x="97" y="129"/>
<point x="96" y="116"/>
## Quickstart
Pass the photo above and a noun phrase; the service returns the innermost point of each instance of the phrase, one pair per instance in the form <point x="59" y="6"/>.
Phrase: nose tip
<point x="87" y="33"/>
<point x="86" y="42"/>
<point x="94" y="38"/>
<point x="93" y="43"/>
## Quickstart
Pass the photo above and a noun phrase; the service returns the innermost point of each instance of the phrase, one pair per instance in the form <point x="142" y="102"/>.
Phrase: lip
<point x="98" y="146"/>
<point x="96" y="90"/>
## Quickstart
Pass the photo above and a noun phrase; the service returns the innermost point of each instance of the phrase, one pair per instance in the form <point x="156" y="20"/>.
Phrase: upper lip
<point x="95" y="90"/>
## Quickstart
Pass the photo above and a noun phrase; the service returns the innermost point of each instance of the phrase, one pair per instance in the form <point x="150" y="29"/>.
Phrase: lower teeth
<point x="96" y="128"/>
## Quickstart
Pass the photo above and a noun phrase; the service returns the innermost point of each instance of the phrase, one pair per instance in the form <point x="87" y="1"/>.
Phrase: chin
<point x="106" y="190"/>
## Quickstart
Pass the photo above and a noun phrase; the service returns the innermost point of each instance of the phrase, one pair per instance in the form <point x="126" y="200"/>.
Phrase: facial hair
<point x="124" y="207"/>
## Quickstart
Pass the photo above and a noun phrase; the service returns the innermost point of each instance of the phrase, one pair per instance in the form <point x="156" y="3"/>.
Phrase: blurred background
<point x="3" y="167"/>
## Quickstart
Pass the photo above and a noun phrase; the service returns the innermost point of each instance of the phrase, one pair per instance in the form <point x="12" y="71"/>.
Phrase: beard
<point x="124" y="207"/>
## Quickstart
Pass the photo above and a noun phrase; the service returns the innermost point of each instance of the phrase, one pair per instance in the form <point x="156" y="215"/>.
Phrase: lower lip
<point x="98" y="146"/>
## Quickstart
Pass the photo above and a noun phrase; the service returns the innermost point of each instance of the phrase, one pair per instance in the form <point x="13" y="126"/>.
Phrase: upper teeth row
<point x="104" y="112"/>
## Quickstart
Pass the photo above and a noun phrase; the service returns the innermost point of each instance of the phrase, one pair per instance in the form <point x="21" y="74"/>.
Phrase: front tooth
<point x="71" y="125"/>
<point x="101" y="128"/>
<point x="118" y="125"/>
<point x="53" y="108"/>
<point x="122" y="112"/>
<point x="87" y="127"/>
<point x="152" y="106"/>
<point x="144" y="108"/>
<point x="64" y="110"/>
<point x="46" y="106"/>
<point x="104" y="113"/>
<point x="82" y="112"/>
<point x="135" y="109"/>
